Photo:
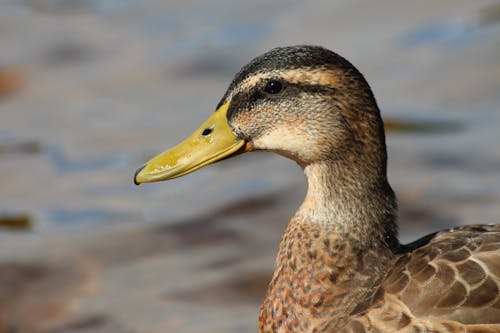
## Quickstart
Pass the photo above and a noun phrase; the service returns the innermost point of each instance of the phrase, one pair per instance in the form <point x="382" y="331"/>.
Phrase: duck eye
<point x="273" y="87"/>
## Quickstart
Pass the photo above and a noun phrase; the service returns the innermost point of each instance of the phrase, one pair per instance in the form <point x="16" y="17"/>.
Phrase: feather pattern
<point x="447" y="285"/>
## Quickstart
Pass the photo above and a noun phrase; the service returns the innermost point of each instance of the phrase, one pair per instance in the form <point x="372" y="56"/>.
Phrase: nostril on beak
<point x="207" y="131"/>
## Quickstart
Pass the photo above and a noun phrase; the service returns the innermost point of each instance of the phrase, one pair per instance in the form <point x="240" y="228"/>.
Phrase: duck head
<point x="303" y="102"/>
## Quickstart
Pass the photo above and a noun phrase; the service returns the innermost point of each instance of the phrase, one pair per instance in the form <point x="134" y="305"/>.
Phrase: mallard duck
<point x="340" y="266"/>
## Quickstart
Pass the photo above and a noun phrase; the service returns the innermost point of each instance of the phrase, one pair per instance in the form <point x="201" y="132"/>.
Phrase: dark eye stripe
<point x="242" y="101"/>
<point x="255" y="95"/>
<point x="314" y="88"/>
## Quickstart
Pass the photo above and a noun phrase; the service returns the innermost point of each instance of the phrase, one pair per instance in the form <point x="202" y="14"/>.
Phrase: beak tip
<point x="136" y="182"/>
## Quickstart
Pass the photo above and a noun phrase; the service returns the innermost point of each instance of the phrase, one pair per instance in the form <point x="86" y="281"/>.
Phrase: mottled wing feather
<point x="456" y="276"/>
<point x="451" y="283"/>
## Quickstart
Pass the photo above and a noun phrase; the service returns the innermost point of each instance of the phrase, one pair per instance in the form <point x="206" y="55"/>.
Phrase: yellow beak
<point x="211" y="142"/>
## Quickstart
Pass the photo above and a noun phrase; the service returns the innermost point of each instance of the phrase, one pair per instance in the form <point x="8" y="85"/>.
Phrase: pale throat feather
<point x="345" y="204"/>
<point x="326" y="200"/>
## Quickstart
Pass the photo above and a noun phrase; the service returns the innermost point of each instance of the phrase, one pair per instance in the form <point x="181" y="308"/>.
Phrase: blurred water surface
<point x="91" y="89"/>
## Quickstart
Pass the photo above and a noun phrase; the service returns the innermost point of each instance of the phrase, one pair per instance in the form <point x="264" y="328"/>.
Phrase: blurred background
<point x="91" y="89"/>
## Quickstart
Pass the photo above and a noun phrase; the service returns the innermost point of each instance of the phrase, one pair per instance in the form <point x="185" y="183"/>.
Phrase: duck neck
<point x="334" y="253"/>
<point x="353" y="202"/>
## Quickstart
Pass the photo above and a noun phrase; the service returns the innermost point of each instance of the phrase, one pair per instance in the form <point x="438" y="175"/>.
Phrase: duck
<point x="340" y="266"/>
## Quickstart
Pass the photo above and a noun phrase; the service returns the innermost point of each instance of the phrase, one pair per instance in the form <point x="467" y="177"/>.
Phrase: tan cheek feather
<point x="283" y="140"/>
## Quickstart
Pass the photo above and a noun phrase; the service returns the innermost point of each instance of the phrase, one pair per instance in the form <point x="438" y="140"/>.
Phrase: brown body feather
<point x="451" y="284"/>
